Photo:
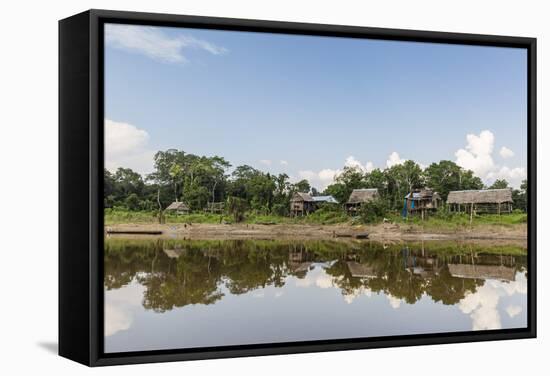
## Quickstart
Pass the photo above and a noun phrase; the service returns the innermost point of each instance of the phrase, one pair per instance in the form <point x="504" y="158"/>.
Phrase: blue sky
<point x="309" y="105"/>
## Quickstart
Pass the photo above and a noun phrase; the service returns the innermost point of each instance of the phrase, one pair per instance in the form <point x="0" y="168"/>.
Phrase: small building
<point x="491" y="201"/>
<point x="178" y="208"/>
<point x="421" y="202"/>
<point x="359" y="197"/>
<point x="319" y="200"/>
<point x="301" y="204"/>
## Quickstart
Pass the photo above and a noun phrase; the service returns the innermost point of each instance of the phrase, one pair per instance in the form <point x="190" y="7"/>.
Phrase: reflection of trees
<point x="177" y="273"/>
<point x="192" y="278"/>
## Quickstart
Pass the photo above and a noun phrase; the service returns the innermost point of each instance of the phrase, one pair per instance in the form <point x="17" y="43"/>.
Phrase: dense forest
<point x="200" y="180"/>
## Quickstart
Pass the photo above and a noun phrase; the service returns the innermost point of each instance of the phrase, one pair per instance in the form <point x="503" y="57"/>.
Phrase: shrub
<point x="373" y="211"/>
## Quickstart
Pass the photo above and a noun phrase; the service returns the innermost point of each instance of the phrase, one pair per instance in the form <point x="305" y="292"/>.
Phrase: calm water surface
<point x="166" y="294"/>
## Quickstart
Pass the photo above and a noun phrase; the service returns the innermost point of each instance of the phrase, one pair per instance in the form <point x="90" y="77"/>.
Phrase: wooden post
<point x="471" y="212"/>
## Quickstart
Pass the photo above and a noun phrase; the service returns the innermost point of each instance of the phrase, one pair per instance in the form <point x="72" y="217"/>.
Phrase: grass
<point x="438" y="221"/>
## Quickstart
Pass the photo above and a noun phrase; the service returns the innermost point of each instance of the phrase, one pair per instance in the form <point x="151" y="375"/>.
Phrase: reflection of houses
<point x="358" y="270"/>
<point x="494" y="201"/>
<point x="421" y="202"/>
<point x="359" y="197"/>
<point x="173" y="253"/>
<point x="500" y="272"/>
<point x="302" y="203"/>
<point x="420" y="265"/>
<point x="178" y="208"/>
<point x="300" y="261"/>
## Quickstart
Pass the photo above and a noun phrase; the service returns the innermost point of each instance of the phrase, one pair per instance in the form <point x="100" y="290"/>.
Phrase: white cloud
<point x="321" y="179"/>
<point x="477" y="154"/>
<point x="266" y="162"/>
<point x="482" y="306"/>
<point x="394" y="160"/>
<point x="514" y="176"/>
<point x="506" y="153"/>
<point x="513" y="310"/>
<point x="354" y="163"/>
<point x="478" y="157"/>
<point x="283" y="162"/>
<point x="154" y="43"/>
<point x="126" y="146"/>
<point x="116" y="319"/>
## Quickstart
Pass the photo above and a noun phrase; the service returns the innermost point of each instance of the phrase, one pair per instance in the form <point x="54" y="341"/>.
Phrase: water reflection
<point x="304" y="290"/>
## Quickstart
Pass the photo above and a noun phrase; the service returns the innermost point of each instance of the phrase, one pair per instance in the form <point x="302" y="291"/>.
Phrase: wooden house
<point x="301" y="204"/>
<point x="492" y="201"/>
<point x="359" y="197"/>
<point x="178" y="208"/>
<point x="421" y="202"/>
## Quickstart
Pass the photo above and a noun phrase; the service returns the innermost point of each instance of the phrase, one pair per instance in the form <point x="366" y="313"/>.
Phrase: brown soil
<point x="381" y="232"/>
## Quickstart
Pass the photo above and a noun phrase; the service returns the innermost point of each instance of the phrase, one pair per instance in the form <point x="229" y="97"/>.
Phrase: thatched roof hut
<point x="359" y="196"/>
<point x="495" y="201"/>
<point x="483" y="196"/>
<point x="178" y="207"/>
<point x="301" y="196"/>
<point x="301" y="203"/>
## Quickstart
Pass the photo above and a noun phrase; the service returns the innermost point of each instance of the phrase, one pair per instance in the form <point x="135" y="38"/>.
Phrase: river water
<point x="170" y="294"/>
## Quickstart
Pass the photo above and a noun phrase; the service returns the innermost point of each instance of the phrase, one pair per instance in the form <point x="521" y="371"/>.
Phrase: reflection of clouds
<point x="116" y="319"/>
<point x="119" y="305"/>
<point x="324" y="282"/>
<point x="350" y="297"/>
<point x="317" y="278"/>
<point x="513" y="310"/>
<point x="482" y="305"/>
<point x="394" y="302"/>
<point x="278" y="294"/>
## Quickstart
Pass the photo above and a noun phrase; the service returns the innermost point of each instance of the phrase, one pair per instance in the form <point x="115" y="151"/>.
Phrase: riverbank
<point x="380" y="232"/>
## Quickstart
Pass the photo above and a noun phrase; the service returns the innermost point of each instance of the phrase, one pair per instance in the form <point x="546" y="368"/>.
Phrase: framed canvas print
<point x="240" y="187"/>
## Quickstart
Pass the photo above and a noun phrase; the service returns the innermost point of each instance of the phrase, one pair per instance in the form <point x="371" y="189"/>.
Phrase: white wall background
<point x="28" y="147"/>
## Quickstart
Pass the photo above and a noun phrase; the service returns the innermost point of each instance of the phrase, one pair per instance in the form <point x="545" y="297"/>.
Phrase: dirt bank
<point x="382" y="232"/>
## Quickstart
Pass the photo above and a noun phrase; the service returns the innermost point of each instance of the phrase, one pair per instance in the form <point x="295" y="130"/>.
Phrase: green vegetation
<point x="177" y="272"/>
<point x="252" y="196"/>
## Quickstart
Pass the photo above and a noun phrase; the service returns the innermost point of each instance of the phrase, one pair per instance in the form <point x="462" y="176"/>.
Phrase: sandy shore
<point x="382" y="232"/>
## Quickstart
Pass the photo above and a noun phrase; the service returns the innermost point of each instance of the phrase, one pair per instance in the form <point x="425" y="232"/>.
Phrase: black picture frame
<point x="81" y="179"/>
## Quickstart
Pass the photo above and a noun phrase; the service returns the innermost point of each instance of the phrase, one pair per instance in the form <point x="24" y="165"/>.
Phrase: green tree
<point x="446" y="176"/>
<point x="373" y="211"/>
<point x="499" y="184"/>
<point x="236" y="207"/>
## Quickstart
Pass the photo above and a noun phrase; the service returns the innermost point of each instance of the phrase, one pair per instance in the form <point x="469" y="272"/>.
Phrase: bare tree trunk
<point x="161" y="213"/>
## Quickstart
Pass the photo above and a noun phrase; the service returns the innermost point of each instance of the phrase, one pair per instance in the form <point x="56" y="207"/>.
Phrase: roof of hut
<point x="301" y="196"/>
<point x="423" y="194"/>
<point x="360" y="270"/>
<point x="177" y="205"/>
<point x="482" y="271"/>
<point x="329" y="199"/>
<point x="362" y="195"/>
<point x="484" y="196"/>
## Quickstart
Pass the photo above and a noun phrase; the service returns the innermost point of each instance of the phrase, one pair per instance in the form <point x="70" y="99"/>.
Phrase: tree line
<point x="200" y="180"/>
